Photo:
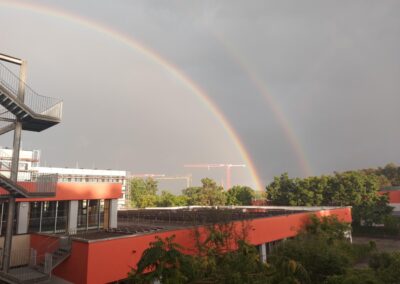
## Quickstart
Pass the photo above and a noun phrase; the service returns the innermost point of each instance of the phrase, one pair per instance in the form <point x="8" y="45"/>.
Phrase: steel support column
<point x="14" y="173"/>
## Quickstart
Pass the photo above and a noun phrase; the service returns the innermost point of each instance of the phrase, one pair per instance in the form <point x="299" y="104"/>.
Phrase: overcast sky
<point x="310" y="87"/>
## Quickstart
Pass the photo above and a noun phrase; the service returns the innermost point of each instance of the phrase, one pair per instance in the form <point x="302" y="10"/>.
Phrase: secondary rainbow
<point x="153" y="56"/>
<point x="272" y="103"/>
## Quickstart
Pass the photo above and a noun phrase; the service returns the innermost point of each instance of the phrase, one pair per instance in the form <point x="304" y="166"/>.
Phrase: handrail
<point x="42" y="183"/>
<point x="39" y="104"/>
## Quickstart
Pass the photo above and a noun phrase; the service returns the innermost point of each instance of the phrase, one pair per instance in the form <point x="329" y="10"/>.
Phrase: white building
<point x="29" y="166"/>
<point x="88" y="175"/>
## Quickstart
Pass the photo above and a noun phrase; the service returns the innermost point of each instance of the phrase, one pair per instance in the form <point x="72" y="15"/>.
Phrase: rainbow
<point x="275" y="107"/>
<point x="154" y="57"/>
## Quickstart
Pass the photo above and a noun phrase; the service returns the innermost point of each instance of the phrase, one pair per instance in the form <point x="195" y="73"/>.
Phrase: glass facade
<point x="48" y="216"/>
<point x="52" y="216"/>
<point x="90" y="214"/>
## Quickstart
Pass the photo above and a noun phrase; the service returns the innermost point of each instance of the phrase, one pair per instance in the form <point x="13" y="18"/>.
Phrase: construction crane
<point x="227" y="167"/>
<point x="154" y="176"/>
<point x="188" y="178"/>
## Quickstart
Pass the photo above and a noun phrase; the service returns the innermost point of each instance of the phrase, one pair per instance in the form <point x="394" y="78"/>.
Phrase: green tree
<point x="354" y="188"/>
<point x="240" y="195"/>
<point x="167" y="199"/>
<point x="322" y="249"/>
<point x="209" y="194"/>
<point x="355" y="276"/>
<point x="143" y="192"/>
<point x="392" y="173"/>
<point x="162" y="261"/>
<point x="387" y="266"/>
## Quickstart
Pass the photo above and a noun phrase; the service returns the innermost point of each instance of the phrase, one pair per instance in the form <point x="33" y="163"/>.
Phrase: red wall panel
<point x="79" y="191"/>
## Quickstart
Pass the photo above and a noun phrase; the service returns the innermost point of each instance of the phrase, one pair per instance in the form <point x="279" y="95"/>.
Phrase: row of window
<point x="6" y="165"/>
<point x="88" y="179"/>
<point x="52" y="216"/>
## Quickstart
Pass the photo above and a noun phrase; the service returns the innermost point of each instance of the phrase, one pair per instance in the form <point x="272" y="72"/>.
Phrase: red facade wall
<point x="394" y="195"/>
<point x="111" y="260"/>
<point x="80" y="191"/>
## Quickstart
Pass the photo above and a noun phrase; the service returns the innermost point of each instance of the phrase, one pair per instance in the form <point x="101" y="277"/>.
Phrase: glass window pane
<point x="48" y="216"/>
<point x="34" y="216"/>
<point x="93" y="211"/>
<point x="62" y="215"/>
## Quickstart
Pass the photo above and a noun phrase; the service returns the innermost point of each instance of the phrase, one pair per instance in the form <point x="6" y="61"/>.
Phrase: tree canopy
<point x="358" y="189"/>
<point x="209" y="194"/>
<point x="144" y="193"/>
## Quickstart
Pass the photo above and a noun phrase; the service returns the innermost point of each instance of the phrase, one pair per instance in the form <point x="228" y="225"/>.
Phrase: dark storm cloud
<point x="333" y="67"/>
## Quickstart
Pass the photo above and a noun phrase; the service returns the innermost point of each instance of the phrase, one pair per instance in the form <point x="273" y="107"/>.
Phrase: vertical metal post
<point x="55" y="221"/>
<point x="98" y="214"/>
<point x="1" y="218"/>
<point x="14" y="172"/>
<point x="41" y="216"/>
<point x="87" y="214"/>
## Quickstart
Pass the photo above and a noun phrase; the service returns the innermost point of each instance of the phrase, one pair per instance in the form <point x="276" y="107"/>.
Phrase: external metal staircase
<point x="38" y="267"/>
<point x="36" y="112"/>
<point x="21" y="108"/>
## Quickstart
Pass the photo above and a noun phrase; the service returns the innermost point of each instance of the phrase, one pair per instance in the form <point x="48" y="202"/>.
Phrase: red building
<point x="394" y="197"/>
<point x="77" y="237"/>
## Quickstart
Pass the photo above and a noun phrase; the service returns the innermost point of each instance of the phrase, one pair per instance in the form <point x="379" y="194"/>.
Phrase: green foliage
<point x="212" y="263"/>
<point x="372" y="211"/>
<point x="389" y="175"/>
<point x="167" y="199"/>
<point x="357" y="189"/>
<point x="355" y="276"/>
<point x="392" y="225"/>
<point x="209" y="194"/>
<point x="319" y="254"/>
<point x="386" y="266"/>
<point x="289" y="271"/>
<point x="240" y="195"/>
<point x="162" y="261"/>
<point x="143" y="192"/>
<point x="327" y="227"/>
<point x="322" y="249"/>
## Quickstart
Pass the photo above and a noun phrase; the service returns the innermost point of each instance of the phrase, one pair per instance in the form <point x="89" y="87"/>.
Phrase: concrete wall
<point x="20" y="249"/>
<point x="22" y="217"/>
<point x="113" y="221"/>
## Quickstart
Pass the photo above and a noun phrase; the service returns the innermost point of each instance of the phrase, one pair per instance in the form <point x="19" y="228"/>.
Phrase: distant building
<point x="394" y="197"/>
<point x="29" y="168"/>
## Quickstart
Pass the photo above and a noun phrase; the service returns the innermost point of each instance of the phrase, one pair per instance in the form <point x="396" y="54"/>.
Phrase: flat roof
<point x="151" y="220"/>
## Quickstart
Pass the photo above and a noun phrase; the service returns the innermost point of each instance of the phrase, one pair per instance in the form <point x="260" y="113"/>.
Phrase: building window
<point x="90" y="214"/>
<point x="93" y="213"/>
<point x="82" y="214"/>
<point x="48" y="216"/>
<point x="101" y="214"/>
<point x="62" y="216"/>
<point x="35" y="209"/>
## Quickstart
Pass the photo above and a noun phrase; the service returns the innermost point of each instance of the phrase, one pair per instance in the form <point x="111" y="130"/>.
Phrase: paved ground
<point x="388" y="245"/>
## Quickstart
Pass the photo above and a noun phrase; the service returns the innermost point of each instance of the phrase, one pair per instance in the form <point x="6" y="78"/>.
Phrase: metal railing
<point x="34" y="183"/>
<point x="34" y="265"/>
<point x="39" y="104"/>
<point x="192" y="217"/>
